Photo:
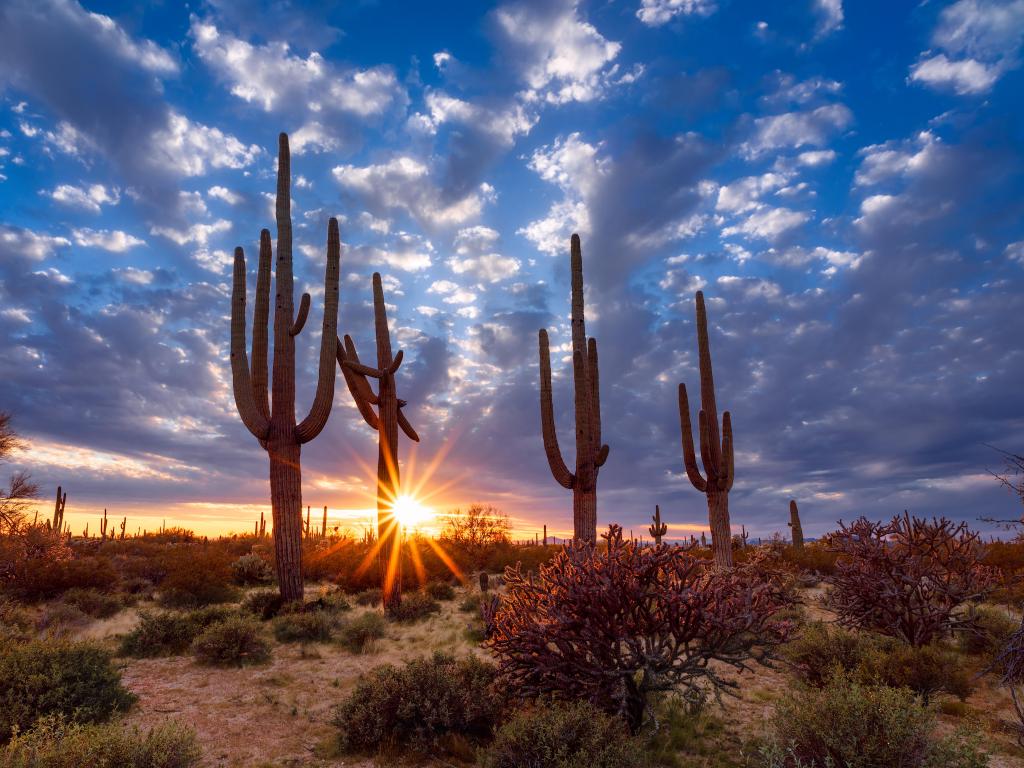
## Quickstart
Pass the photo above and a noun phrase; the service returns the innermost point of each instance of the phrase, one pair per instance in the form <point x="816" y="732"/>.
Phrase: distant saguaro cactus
<point x="272" y="421"/>
<point x="103" y="527"/>
<point x="717" y="456"/>
<point x="657" y="528"/>
<point x="386" y="420"/>
<point x="590" y="453"/>
<point x="58" y="512"/>
<point x="124" y="522"/>
<point x="794" y="523"/>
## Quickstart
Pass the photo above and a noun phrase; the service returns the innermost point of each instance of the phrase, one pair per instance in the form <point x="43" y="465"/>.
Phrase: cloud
<point x="90" y="199"/>
<point x="830" y="16"/>
<point x="654" y="13"/>
<point x="191" y="148"/>
<point x="225" y="194"/>
<point x="114" y="241"/>
<point x="475" y="257"/>
<point x="768" y="223"/>
<point x="792" y="130"/>
<point x="979" y="41"/>
<point x="30" y="245"/>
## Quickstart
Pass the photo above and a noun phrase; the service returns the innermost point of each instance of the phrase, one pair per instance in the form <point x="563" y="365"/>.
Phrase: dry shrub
<point x="907" y="578"/>
<point x="251" y="569"/>
<point x="305" y="627"/>
<point x="92" y="602"/>
<point x="356" y="634"/>
<point x="414" y="606"/>
<point x="196" y="575"/>
<point x="614" y="626"/>
<point x="169" y="633"/>
<point x="236" y="641"/>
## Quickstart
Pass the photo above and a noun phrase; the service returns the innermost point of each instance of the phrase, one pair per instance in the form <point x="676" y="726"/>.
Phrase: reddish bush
<point x="613" y="626"/>
<point x="906" y="578"/>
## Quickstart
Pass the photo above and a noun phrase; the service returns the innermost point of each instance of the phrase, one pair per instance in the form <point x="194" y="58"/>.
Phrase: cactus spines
<point x="386" y="420"/>
<point x="590" y="453"/>
<point x="270" y="417"/>
<point x="794" y="523"/>
<point x="657" y="528"/>
<point x="58" y="511"/>
<point x="715" y="454"/>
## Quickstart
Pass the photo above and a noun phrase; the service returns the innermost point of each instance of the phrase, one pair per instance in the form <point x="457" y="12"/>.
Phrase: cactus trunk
<point x="794" y="523"/>
<point x="286" y="502"/>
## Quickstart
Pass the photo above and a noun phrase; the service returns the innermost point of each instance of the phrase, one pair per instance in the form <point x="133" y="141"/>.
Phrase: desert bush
<point x="470" y="603"/>
<point x="196" y="575"/>
<point x="60" y="620"/>
<point x="818" y="651"/>
<point x="419" y="704"/>
<point x="358" y="632"/>
<point x="925" y="669"/>
<point x="370" y="596"/>
<point x="16" y="623"/>
<point x="304" y="627"/>
<point x="563" y="735"/>
<point x="614" y="626"/>
<point x="440" y="590"/>
<point x="168" y="633"/>
<point x="39" y="678"/>
<point x="56" y="743"/>
<point x="413" y="607"/>
<point x="989" y="633"/>
<point x="236" y="641"/>
<point x="47" y="568"/>
<point x="850" y="724"/>
<point x="907" y="578"/>
<point x="814" y="558"/>
<point x="1009" y="665"/>
<point x="265" y="603"/>
<point x="251" y="569"/>
<point x="92" y="602"/>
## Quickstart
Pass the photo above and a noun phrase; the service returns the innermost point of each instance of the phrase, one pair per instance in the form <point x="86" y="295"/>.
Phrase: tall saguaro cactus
<point x="386" y="420"/>
<point x="794" y="523"/>
<point x="58" y="511"/>
<point x="717" y="456"/>
<point x="590" y="453"/>
<point x="271" y="417"/>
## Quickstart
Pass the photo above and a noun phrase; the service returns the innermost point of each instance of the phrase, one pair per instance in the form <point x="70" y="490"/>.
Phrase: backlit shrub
<point x="907" y="578"/>
<point x="92" y="602"/>
<point x="77" y="680"/>
<point x="236" y="641"/>
<point x="251" y="569"/>
<point x="357" y="634"/>
<point x="168" y="633"/>
<point x="304" y="627"/>
<point x="196" y="575"/>
<point x="414" y="606"/>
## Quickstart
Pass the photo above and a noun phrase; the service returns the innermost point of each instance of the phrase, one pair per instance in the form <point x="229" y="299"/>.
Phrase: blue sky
<point x="843" y="180"/>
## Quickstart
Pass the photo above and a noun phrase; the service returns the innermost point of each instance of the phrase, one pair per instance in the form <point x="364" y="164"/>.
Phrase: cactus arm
<point x="584" y="425"/>
<point x="560" y="472"/>
<point x="728" y="462"/>
<point x="353" y="380"/>
<point x="300" y="319"/>
<point x="241" y="381"/>
<point x="261" y="326"/>
<point x="393" y="368"/>
<point x="707" y="380"/>
<point x="364" y="370"/>
<point x="689" y="457"/>
<point x="320" y="411"/>
<point x="380" y="324"/>
<point x="595" y="398"/>
<point x="407" y="427"/>
<point x="602" y="456"/>
<point x="364" y="387"/>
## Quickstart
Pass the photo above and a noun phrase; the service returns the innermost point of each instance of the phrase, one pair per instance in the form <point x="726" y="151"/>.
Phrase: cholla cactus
<point x="386" y="420"/>
<point x="590" y="453"/>
<point x="794" y="523"/>
<point x="657" y="528"/>
<point x="270" y="416"/>
<point x="716" y="455"/>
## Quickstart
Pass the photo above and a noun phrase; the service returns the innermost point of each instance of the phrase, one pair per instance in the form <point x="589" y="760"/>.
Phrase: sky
<point x="842" y="180"/>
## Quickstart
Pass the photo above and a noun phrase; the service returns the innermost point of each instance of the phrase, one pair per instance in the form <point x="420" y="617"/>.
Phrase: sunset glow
<point x="411" y="513"/>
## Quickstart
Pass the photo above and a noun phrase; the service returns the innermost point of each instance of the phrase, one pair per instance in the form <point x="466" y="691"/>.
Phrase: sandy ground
<point x="279" y="714"/>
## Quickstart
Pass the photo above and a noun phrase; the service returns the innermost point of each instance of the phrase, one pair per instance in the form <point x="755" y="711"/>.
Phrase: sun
<point x="410" y="512"/>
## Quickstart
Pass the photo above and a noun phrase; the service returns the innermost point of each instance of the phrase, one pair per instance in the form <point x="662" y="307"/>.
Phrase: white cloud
<point x="225" y="194"/>
<point x="113" y="240"/>
<point x="1015" y="251"/>
<point x="561" y="57"/>
<point x="963" y="77"/>
<point x="135" y="276"/>
<point x="442" y="287"/>
<point x="830" y="16"/>
<point x="551" y="233"/>
<point x="571" y="163"/>
<point x="145" y="54"/>
<point x="797" y="129"/>
<point x="474" y="256"/>
<point x="312" y="137"/>
<point x="657" y="12"/>
<point x="28" y="244"/>
<point x="428" y="311"/>
<point x="745" y="194"/>
<point x="816" y="157"/>
<point x="768" y="223"/>
<point x="90" y="199"/>
<point x="199" y="234"/>
<point x="893" y="159"/>
<point x="189" y="148"/>
<point x="504" y="124"/>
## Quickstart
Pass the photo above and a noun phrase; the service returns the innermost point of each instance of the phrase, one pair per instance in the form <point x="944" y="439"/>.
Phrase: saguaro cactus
<point x="124" y="522"/>
<point x="717" y="456"/>
<point x="590" y="453"/>
<point x="794" y="523"/>
<point x="386" y="420"/>
<point x="58" y="512"/>
<point x="271" y="419"/>
<point x="657" y="528"/>
<point x="103" y="526"/>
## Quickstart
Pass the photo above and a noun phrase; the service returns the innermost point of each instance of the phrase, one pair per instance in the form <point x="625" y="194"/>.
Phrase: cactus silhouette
<point x="103" y="527"/>
<point x="716" y="456"/>
<point x="58" y="512"/>
<point x="657" y="528"/>
<point x="590" y="453"/>
<point x="794" y="523"/>
<point x="385" y="420"/>
<point x="271" y="417"/>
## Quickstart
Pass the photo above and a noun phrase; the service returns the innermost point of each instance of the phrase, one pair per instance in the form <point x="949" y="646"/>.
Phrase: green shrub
<point x="235" y="641"/>
<point x="440" y="590"/>
<point x="60" y="620"/>
<point x="92" y="602"/>
<point x="169" y="633"/>
<point x="266" y="603"/>
<point x="413" y="607"/>
<point x="55" y="743"/>
<point x="926" y="670"/>
<point x="305" y="627"/>
<point x="847" y="723"/>
<point x="818" y="651"/>
<point x="573" y="735"/>
<point x="992" y="628"/>
<point x="419" y="704"/>
<point x="196" y="575"/>
<point x="251" y="569"/>
<point x="43" y="579"/>
<point x="370" y="596"/>
<point x="357" y="633"/>
<point x="39" y="678"/>
<point x="16" y="624"/>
